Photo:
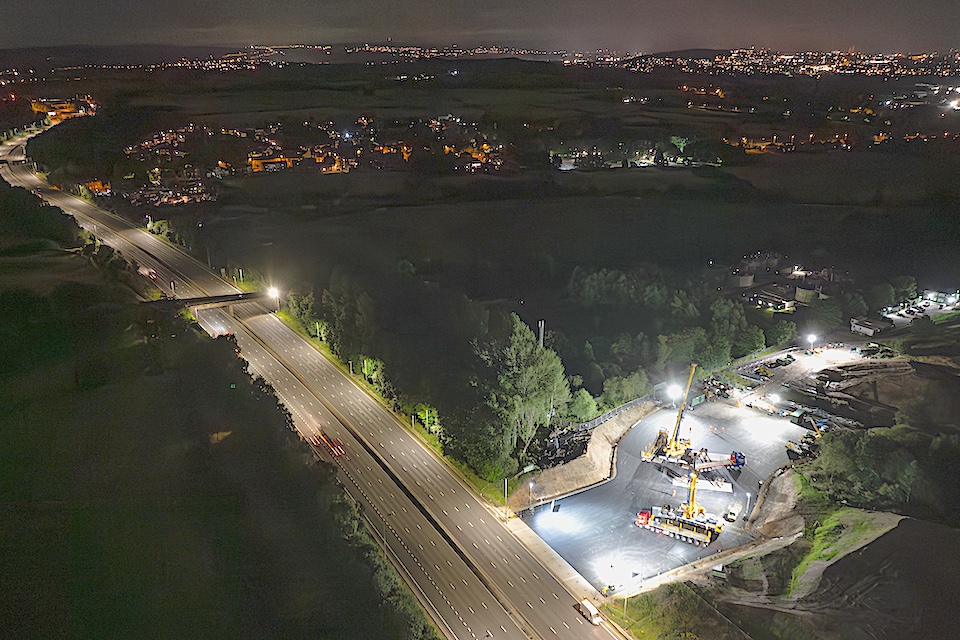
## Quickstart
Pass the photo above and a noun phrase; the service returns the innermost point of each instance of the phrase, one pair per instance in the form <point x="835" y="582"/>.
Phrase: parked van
<point x="589" y="611"/>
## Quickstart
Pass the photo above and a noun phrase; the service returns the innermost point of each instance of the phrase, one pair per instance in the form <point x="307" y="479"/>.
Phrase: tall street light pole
<point x="505" y="503"/>
<point x="383" y="531"/>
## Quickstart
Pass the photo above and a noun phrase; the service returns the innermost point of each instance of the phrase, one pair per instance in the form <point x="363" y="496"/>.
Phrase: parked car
<point x="733" y="511"/>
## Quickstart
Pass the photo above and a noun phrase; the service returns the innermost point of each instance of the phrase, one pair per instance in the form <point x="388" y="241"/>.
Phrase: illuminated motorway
<point x="470" y="572"/>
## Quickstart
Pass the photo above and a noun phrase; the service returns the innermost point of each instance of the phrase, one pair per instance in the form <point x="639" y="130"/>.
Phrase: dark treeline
<point x="25" y="218"/>
<point x="476" y="376"/>
<point x="910" y="468"/>
<point x="482" y="369"/>
<point x="15" y="113"/>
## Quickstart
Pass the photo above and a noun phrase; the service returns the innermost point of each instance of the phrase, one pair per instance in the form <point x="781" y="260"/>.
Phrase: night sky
<point x="632" y="25"/>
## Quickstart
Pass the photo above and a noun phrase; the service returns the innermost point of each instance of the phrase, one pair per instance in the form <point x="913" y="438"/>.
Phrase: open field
<point x="42" y="271"/>
<point x="877" y="177"/>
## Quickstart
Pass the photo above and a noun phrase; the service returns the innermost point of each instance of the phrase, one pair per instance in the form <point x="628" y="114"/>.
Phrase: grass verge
<point x="832" y="532"/>
<point x="675" y="610"/>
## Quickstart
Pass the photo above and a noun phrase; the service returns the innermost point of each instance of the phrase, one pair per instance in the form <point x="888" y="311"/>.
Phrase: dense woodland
<point x="509" y="387"/>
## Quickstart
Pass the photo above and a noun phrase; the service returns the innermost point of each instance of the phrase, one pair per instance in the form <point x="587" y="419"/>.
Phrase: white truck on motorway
<point x="589" y="611"/>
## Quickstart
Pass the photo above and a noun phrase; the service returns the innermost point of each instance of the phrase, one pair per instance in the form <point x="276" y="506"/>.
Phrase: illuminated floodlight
<point x="811" y="339"/>
<point x="613" y="570"/>
<point x="674" y="392"/>
<point x="557" y="523"/>
<point x="273" y="292"/>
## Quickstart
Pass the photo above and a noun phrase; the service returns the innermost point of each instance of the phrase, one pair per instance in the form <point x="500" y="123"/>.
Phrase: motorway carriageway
<point x="464" y="565"/>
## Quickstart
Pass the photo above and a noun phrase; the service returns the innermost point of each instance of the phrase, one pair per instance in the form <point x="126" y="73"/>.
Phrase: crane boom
<point x="683" y="405"/>
<point x="691" y="508"/>
<point x="670" y="447"/>
<point x="816" y="427"/>
<point x="667" y="445"/>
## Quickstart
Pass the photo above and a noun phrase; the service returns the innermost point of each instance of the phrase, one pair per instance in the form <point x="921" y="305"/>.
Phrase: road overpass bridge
<point x="209" y="302"/>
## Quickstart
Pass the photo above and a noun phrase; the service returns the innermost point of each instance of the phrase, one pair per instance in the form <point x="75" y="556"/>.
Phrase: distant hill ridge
<point x="45" y="58"/>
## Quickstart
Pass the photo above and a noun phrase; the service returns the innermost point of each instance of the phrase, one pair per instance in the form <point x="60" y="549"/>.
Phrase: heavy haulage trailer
<point x="690" y="523"/>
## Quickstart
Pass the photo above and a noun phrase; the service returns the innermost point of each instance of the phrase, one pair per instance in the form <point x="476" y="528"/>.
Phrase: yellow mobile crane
<point x="690" y="523"/>
<point x="817" y="434"/>
<point x="671" y="447"/>
<point x="808" y="445"/>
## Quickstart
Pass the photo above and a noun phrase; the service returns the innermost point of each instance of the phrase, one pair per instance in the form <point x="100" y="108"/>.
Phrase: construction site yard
<point x="792" y="570"/>
<point x="595" y="530"/>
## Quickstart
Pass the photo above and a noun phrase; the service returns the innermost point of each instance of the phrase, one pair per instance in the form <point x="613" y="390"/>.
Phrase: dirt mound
<point x="933" y="389"/>
<point x="777" y="515"/>
<point x="903" y="584"/>
<point x="899" y="585"/>
<point x="930" y="389"/>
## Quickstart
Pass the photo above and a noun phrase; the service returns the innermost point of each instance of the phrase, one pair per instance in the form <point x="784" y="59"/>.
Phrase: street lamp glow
<point x="811" y="339"/>
<point x="273" y="292"/>
<point x="674" y="391"/>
